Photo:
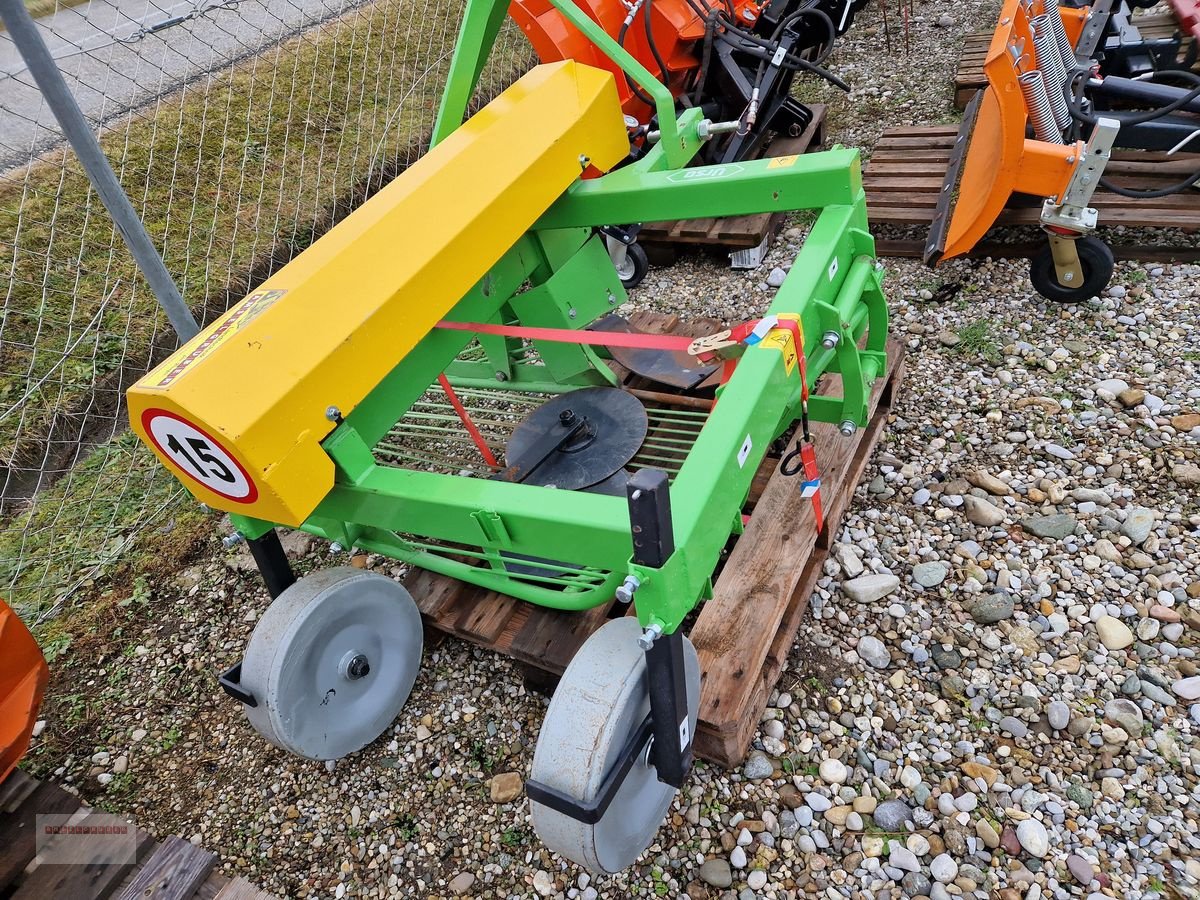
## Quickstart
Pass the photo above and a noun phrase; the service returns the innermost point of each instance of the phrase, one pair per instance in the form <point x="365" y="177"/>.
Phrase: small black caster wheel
<point x="1096" y="260"/>
<point x="634" y="269"/>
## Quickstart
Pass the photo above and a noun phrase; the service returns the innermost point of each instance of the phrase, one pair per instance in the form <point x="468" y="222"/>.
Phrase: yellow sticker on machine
<point x="780" y="338"/>
<point x="239" y="317"/>
<point x="781" y="162"/>
<point x="782" y="341"/>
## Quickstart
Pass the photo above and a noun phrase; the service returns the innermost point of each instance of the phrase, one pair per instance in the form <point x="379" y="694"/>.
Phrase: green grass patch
<point x="117" y="513"/>
<point x="979" y="340"/>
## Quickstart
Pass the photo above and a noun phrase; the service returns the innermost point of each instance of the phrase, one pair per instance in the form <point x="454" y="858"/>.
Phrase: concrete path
<point x="119" y="54"/>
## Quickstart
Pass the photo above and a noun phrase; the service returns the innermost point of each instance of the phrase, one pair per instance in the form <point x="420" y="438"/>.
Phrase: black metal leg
<point x="672" y="751"/>
<point x="272" y="563"/>
<point x="653" y="544"/>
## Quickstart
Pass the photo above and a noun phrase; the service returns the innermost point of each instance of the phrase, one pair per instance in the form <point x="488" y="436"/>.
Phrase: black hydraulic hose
<point x="633" y="85"/>
<point x="1151" y="114"/>
<point x="710" y="26"/>
<point x="1135" y="194"/>
<point x="778" y="33"/>
<point x="662" y="66"/>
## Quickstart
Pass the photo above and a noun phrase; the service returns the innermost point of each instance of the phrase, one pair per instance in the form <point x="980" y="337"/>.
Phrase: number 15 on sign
<point x="198" y="455"/>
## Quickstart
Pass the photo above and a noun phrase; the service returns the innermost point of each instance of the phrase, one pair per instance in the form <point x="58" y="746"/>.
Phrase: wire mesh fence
<point x="241" y="130"/>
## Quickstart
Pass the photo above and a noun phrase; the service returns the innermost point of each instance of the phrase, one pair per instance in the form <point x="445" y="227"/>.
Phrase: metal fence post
<point x="58" y="96"/>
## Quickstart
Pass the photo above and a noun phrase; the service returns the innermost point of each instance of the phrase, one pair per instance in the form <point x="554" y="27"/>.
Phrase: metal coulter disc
<point x="671" y="367"/>
<point x="332" y="661"/>
<point x="602" y="698"/>
<point x="617" y="426"/>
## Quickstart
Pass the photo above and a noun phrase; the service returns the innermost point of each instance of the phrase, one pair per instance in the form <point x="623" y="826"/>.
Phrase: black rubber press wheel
<point x="635" y="268"/>
<point x="1096" y="260"/>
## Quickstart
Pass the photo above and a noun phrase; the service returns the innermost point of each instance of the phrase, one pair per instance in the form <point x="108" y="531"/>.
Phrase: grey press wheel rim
<point x="332" y="661"/>
<point x="601" y="699"/>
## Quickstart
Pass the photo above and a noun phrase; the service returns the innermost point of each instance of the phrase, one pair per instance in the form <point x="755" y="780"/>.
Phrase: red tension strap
<point x="672" y="342"/>
<point x="484" y="450"/>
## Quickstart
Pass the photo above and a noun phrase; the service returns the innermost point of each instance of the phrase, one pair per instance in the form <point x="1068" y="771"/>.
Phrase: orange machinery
<point x="995" y="156"/>
<point x="1064" y="86"/>
<point x="23" y="677"/>
<point x="735" y="59"/>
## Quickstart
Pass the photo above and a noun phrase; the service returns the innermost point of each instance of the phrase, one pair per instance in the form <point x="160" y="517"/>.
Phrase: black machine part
<point x="576" y="439"/>
<point x="746" y="72"/>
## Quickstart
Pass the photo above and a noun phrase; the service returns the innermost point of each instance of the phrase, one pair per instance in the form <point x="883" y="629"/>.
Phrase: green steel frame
<point x="559" y="275"/>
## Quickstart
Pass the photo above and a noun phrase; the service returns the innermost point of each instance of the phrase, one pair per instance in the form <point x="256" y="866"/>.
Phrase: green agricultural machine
<point x="433" y="381"/>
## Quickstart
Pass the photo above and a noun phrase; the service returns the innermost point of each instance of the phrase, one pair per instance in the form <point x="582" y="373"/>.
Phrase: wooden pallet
<point x="970" y="78"/>
<point x="744" y="634"/>
<point x="172" y="870"/>
<point x="907" y="168"/>
<point x="662" y="239"/>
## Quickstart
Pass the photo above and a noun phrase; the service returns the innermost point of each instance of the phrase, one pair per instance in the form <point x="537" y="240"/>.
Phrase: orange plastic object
<point x="1000" y="160"/>
<point x="23" y="677"/>
<point x="676" y="28"/>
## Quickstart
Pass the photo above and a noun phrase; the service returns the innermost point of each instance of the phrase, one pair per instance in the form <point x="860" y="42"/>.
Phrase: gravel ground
<point x="995" y="695"/>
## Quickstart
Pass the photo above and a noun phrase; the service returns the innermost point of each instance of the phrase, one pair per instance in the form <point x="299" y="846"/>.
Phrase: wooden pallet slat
<point x="904" y="191"/>
<point x="744" y="633"/>
<point x="94" y="880"/>
<point x="174" y="872"/>
<point x="18" y="835"/>
<point x="16" y="787"/>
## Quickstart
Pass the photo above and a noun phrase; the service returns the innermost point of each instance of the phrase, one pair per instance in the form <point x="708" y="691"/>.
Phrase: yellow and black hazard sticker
<point x="782" y="162"/>
<point x="206" y="342"/>
<point x="780" y="338"/>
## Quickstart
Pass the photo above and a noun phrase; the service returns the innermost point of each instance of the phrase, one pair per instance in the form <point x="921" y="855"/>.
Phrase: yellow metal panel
<point x="239" y="411"/>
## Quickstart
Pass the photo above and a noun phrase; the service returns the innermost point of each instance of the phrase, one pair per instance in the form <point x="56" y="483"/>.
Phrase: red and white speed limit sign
<point x="199" y="455"/>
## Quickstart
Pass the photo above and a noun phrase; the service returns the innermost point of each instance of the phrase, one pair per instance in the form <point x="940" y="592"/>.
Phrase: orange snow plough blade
<point x="993" y="158"/>
<point x="23" y="677"/>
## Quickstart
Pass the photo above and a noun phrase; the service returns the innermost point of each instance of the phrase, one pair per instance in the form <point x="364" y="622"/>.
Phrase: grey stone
<point x="915" y="884"/>
<point x="1014" y="726"/>
<point x="868" y="588"/>
<point x="902" y="858"/>
<point x="1054" y="527"/>
<point x="930" y="574"/>
<point x="1081" y="870"/>
<point x="461" y="883"/>
<point x="982" y="512"/>
<point x="758" y="766"/>
<point x="717" y="873"/>
<point x="945" y="657"/>
<point x="1157" y="694"/>
<point x="1081" y="795"/>
<point x="777" y="276"/>
<point x="992" y="608"/>
<point x="1137" y="525"/>
<point x="1125" y="714"/>
<point x="890" y="815"/>
<point x="1059" y="714"/>
<point x="1033" y="837"/>
<point x="872" y="651"/>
